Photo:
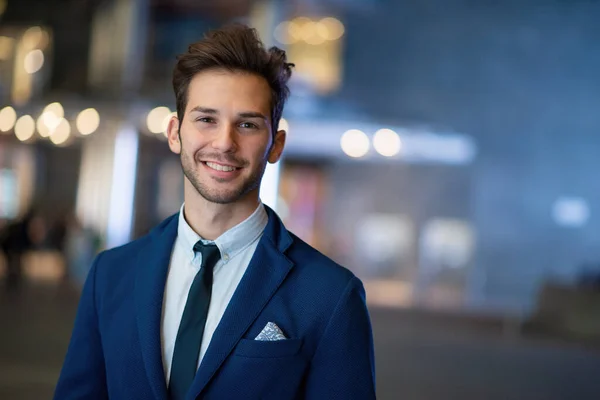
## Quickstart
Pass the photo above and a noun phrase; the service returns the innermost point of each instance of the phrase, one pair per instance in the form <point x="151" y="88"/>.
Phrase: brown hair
<point x="235" y="48"/>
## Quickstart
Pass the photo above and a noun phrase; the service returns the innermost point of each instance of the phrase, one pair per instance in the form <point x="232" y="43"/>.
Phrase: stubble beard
<point x="221" y="196"/>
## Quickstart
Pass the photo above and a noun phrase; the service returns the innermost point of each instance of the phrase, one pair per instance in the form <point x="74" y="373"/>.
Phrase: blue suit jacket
<point x="115" y="349"/>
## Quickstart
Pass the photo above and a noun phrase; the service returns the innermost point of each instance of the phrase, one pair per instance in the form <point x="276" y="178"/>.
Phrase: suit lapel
<point x="152" y="268"/>
<point x="267" y="270"/>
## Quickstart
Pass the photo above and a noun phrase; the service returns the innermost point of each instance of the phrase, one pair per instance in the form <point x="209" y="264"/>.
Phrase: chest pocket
<point x="267" y="349"/>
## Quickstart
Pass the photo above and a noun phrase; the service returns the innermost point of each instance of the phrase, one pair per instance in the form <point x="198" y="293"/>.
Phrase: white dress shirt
<point x="237" y="246"/>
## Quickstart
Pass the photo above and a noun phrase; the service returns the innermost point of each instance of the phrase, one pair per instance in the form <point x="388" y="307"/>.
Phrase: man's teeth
<point x="220" y="167"/>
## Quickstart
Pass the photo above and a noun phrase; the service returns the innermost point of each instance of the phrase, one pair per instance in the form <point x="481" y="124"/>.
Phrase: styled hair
<point x="235" y="48"/>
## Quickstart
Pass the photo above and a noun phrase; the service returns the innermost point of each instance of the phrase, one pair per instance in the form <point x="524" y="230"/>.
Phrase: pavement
<point x="420" y="355"/>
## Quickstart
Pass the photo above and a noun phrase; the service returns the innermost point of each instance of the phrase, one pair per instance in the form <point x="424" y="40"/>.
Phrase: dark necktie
<point x="191" y="327"/>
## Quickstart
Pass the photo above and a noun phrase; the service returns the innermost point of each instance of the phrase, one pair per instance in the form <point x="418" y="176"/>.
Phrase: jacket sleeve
<point x="83" y="373"/>
<point x="343" y="365"/>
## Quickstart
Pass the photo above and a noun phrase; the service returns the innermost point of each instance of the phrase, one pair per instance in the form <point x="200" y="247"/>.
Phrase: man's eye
<point x="207" y="120"/>
<point x="248" y="125"/>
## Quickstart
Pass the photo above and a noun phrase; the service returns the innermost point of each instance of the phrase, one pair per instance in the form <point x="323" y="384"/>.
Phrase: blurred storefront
<point x="389" y="202"/>
<point x="387" y="175"/>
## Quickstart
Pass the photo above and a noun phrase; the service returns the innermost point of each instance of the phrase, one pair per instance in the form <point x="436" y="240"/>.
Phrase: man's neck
<point x="211" y="220"/>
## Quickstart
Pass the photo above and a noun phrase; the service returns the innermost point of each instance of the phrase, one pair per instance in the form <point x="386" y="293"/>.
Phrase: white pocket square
<point x="271" y="332"/>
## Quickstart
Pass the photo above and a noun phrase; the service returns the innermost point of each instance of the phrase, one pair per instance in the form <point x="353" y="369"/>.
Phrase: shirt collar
<point x="232" y="241"/>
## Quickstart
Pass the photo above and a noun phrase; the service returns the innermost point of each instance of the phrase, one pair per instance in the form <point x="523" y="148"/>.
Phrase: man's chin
<point x="221" y="197"/>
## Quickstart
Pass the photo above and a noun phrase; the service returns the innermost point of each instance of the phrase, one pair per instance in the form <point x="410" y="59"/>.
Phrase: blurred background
<point x="446" y="151"/>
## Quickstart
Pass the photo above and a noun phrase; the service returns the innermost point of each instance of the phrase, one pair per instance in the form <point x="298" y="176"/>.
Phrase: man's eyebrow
<point x="204" y="110"/>
<point x="245" y="114"/>
<point x="252" y="114"/>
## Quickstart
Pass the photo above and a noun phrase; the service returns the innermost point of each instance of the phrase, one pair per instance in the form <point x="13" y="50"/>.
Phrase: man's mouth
<point x="220" y="167"/>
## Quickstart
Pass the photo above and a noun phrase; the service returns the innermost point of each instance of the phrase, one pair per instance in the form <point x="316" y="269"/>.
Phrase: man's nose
<point x="225" y="141"/>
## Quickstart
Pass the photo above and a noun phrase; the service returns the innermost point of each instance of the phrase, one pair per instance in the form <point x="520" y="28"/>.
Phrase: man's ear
<point x="173" y="135"/>
<point x="277" y="147"/>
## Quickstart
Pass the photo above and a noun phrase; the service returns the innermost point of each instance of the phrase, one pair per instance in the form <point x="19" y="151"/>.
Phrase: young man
<point x="220" y="301"/>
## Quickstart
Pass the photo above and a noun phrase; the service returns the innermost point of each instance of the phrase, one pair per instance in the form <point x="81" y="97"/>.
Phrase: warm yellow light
<point x="332" y="29"/>
<point x="61" y="133"/>
<point x="322" y="30"/>
<point x="308" y="30"/>
<point x="34" y="38"/>
<point x="49" y="119"/>
<point x="156" y="119"/>
<point x="42" y="128"/>
<point x="6" y="47"/>
<point x="355" y="143"/>
<point x="47" y="123"/>
<point x="56" y="109"/>
<point x="34" y="61"/>
<point x="3" y="4"/>
<point x="44" y="41"/>
<point x="24" y="128"/>
<point x="88" y="121"/>
<point x="312" y="33"/>
<point x="387" y="142"/>
<point x="296" y="28"/>
<point x="303" y="28"/>
<point x="8" y="117"/>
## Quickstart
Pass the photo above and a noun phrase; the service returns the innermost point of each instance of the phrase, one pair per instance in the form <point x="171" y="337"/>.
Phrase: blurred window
<point x="8" y="194"/>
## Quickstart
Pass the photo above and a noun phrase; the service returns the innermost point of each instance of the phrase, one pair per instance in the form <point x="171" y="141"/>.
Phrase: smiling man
<point x="221" y="301"/>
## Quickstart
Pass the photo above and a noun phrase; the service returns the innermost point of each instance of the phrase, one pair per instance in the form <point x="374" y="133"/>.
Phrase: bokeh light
<point x="333" y="28"/>
<point x="355" y="143"/>
<point x="34" y="61"/>
<point x="88" y="121"/>
<point x="387" y="142"/>
<point x="56" y="109"/>
<point x="8" y="117"/>
<point x="35" y="38"/>
<point x="24" y="128"/>
<point x="62" y="132"/>
<point x="157" y="118"/>
<point x="41" y="125"/>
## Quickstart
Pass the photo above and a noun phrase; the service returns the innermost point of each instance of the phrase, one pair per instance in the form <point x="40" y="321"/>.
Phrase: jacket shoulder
<point x="117" y="255"/>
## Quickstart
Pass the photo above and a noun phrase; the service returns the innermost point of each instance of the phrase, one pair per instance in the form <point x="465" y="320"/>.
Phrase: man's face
<point x="225" y="139"/>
